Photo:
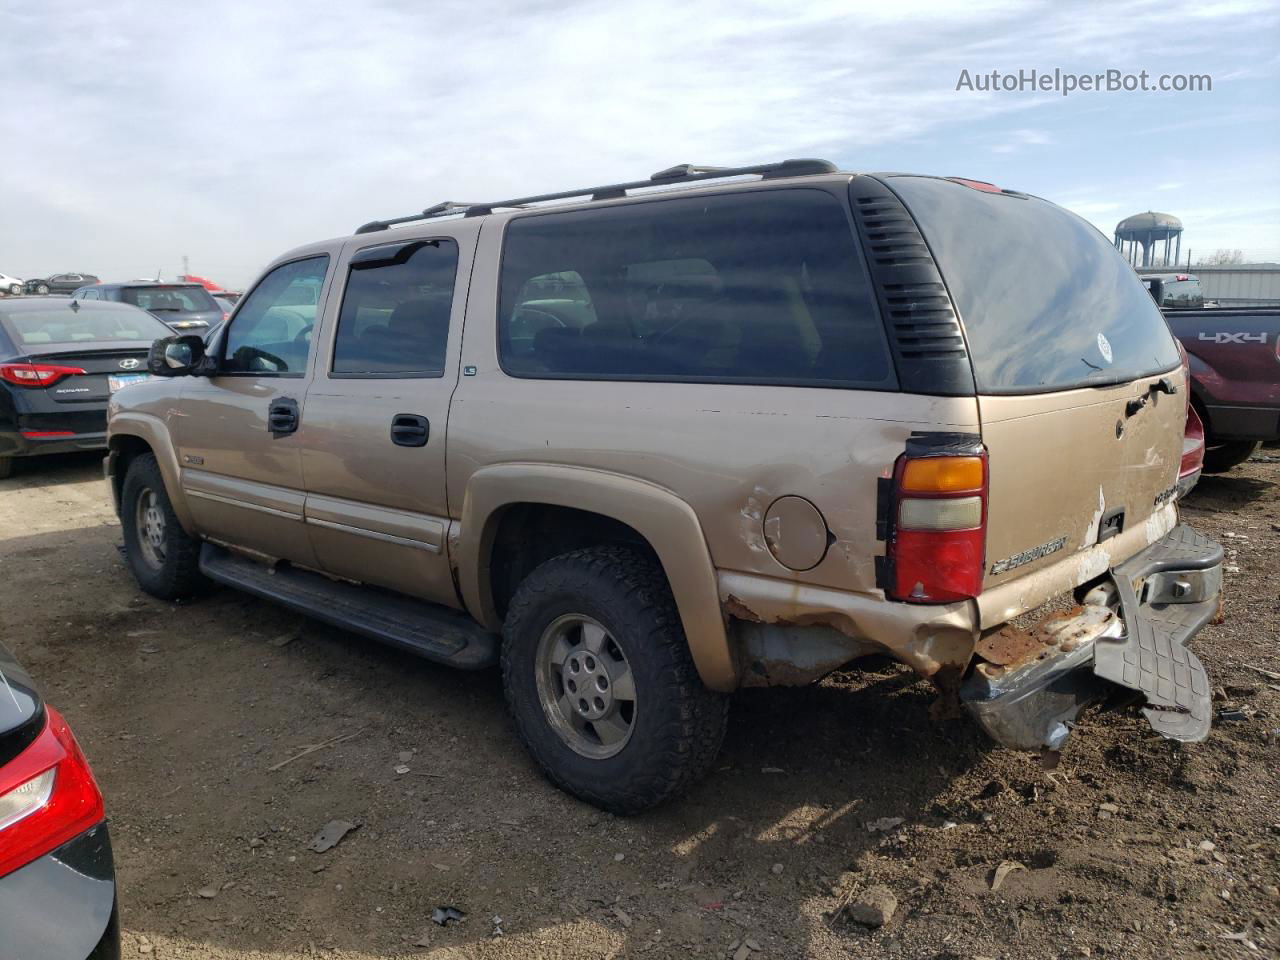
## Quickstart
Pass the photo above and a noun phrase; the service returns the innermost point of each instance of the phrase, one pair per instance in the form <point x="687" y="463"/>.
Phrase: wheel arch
<point x="606" y="507"/>
<point x="131" y="435"/>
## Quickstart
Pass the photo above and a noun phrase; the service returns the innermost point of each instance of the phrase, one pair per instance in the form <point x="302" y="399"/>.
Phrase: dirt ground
<point x="192" y="715"/>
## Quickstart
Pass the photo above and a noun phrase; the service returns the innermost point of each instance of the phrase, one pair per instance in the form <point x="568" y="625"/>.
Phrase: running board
<point x="427" y="629"/>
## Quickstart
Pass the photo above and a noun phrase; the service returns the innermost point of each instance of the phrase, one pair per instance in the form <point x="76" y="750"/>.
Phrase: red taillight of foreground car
<point x="47" y="796"/>
<point x="938" y="544"/>
<point x="36" y="374"/>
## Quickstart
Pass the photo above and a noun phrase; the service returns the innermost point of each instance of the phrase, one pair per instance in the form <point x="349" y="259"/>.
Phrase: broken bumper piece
<point x="1030" y="684"/>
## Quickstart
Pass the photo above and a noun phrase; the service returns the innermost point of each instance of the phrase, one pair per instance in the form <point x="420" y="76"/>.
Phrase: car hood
<point x="21" y="709"/>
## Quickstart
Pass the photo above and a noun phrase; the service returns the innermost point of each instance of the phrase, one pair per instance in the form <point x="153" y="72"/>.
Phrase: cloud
<point x="231" y="131"/>
<point x="1023" y="138"/>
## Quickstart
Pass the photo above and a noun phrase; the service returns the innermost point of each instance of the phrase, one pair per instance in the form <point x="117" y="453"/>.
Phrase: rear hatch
<point x="1080" y="387"/>
<point x="21" y="709"/>
<point x="186" y="307"/>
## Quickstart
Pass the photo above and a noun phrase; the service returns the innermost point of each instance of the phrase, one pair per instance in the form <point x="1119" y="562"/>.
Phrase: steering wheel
<point x="250" y="355"/>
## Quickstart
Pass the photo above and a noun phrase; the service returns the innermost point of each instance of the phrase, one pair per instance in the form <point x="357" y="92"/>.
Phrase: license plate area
<point x="116" y="381"/>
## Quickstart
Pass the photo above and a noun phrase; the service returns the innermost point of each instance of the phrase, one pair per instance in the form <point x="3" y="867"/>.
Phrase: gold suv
<point x="643" y="444"/>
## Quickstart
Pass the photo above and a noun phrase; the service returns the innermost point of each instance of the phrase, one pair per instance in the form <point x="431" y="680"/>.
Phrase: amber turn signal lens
<point x="942" y="474"/>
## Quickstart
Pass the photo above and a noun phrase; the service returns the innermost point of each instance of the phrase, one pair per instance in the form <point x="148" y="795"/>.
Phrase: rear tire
<point x="42" y="288"/>
<point x="6" y="467"/>
<point x="164" y="559"/>
<point x="638" y="727"/>
<point x="1222" y="458"/>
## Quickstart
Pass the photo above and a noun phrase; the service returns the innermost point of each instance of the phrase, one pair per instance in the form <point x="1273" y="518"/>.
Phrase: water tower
<point x="1145" y="230"/>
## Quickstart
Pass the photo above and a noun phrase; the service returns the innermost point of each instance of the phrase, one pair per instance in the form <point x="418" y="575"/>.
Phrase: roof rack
<point x="682" y="173"/>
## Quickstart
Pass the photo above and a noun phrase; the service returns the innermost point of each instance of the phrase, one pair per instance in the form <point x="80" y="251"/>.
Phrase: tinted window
<point x="763" y="287"/>
<point x="1046" y="301"/>
<point x="395" y="311"/>
<point x="61" y="324"/>
<point x="271" y="332"/>
<point x="169" y="299"/>
<point x="1181" y="293"/>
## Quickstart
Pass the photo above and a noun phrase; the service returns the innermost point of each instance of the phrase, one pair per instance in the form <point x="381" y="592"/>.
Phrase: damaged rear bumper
<point x="1131" y="632"/>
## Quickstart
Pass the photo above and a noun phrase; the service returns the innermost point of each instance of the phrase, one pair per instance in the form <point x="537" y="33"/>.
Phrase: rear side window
<point x="169" y="299"/>
<point x="765" y="287"/>
<point x="1047" y="302"/>
<point x="394" y="320"/>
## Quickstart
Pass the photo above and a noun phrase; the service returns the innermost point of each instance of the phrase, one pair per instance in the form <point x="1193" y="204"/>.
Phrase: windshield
<point x="173" y="299"/>
<point x="1047" y="303"/>
<point x="34" y="328"/>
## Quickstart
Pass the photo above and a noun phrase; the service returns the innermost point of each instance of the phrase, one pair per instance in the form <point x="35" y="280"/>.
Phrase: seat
<point x="414" y="338"/>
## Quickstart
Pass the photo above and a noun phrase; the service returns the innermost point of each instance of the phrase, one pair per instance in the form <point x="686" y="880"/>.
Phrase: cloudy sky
<point x="135" y="132"/>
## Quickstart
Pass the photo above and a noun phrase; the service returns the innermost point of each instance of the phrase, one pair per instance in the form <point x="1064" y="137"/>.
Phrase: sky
<point x="135" y="133"/>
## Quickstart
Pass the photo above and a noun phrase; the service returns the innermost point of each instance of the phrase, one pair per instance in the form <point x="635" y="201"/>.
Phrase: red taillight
<point x="36" y="374"/>
<point x="47" y="796"/>
<point x="938" y="528"/>
<point x="41" y="434"/>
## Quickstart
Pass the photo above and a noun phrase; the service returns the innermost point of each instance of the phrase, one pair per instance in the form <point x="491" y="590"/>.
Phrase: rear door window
<point x="762" y="287"/>
<point x="1046" y="301"/>
<point x="394" y="320"/>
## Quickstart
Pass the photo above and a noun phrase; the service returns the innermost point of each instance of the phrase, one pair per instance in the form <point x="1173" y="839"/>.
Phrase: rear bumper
<point x="63" y="905"/>
<point x="1232" y="422"/>
<point x="18" y="444"/>
<point x="1131" y="633"/>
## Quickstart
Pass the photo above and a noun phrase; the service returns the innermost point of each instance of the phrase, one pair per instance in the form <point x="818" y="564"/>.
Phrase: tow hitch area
<point x="1029" y="685"/>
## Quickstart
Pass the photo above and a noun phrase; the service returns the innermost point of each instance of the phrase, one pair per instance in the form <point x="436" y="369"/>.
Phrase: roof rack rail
<point x="681" y="173"/>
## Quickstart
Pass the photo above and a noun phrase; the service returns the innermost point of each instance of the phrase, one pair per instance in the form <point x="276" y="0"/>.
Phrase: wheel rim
<point x="586" y="687"/>
<point x="148" y="519"/>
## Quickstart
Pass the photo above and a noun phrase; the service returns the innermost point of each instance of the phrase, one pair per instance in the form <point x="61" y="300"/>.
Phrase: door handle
<point x="282" y="416"/>
<point x="410" y="430"/>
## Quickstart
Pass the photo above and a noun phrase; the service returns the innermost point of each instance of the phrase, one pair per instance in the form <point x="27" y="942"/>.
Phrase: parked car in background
<point x="11" y="285"/>
<point x="533" y="436"/>
<point x="185" y="307"/>
<point x="60" y="360"/>
<point x="1235" y="377"/>
<point x="57" y="873"/>
<point x="60" y="283"/>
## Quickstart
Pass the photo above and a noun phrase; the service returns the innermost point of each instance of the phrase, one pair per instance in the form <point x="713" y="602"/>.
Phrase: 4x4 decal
<point x="1224" y="337"/>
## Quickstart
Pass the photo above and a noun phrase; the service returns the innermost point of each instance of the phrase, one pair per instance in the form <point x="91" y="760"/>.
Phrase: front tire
<point x="15" y="288"/>
<point x="42" y="288"/>
<point x="600" y="682"/>
<point x="1222" y="458"/>
<point x="164" y="559"/>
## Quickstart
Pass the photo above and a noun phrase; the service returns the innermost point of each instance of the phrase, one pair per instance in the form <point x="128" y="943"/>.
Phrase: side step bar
<point x="429" y="630"/>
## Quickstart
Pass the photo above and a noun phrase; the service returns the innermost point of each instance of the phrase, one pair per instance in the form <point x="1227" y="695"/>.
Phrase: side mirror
<point x="176" y="356"/>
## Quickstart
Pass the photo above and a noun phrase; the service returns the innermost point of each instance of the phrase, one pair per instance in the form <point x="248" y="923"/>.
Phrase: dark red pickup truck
<point x="1235" y="377"/>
